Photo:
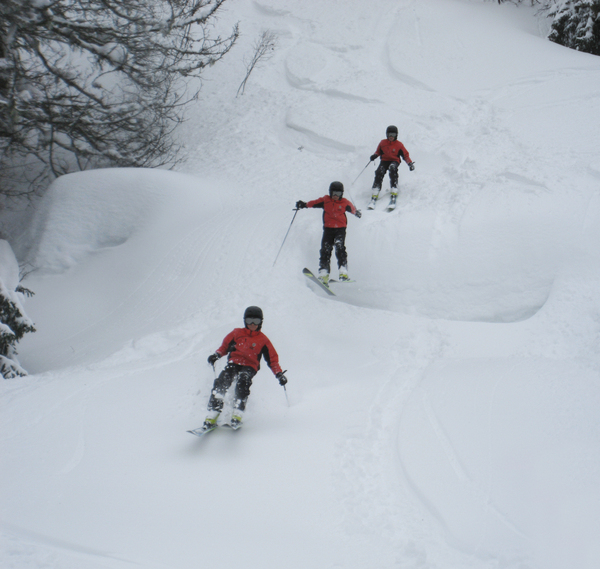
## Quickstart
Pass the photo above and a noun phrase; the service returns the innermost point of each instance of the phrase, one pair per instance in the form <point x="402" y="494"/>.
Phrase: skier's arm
<point x="404" y="154"/>
<point x="378" y="153"/>
<point x="319" y="202"/>
<point x="271" y="357"/>
<point x="226" y="346"/>
<point x="350" y="207"/>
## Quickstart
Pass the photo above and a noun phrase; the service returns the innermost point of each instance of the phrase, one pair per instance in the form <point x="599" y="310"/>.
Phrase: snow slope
<point x="443" y="409"/>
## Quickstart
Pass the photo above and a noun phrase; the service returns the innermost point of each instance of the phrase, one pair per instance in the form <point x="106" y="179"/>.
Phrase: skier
<point x="334" y="229"/>
<point x="391" y="151"/>
<point x="245" y="347"/>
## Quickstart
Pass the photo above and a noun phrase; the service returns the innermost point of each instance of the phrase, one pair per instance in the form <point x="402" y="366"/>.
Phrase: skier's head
<point x="336" y="189"/>
<point x="253" y="316"/>
<point x="392" y="131"/>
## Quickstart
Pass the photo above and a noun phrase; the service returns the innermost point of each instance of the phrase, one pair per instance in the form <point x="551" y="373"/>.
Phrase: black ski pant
<point x="381" y="171"/>
<point x="333" y="237"/>
<point x="242" y="375"/>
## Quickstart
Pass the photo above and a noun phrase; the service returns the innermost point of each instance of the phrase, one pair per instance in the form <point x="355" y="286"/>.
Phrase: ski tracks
<point x="377" y="497"/>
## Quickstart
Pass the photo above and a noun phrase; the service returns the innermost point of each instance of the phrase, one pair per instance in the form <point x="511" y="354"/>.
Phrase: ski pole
<point x="280" y="248"/>
<point x="286" y="396"/>
<point x="284" y="389"/>
<point x="357" y="177"/>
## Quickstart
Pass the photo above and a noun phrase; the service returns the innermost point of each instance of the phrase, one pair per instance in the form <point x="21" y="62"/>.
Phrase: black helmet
<point x="253" y="312"/>
<point x="391" y="130"/>
<point x="336" y="187"/>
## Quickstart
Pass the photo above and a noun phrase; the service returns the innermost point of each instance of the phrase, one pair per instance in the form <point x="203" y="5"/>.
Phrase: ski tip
<point x="310" y="275"/>
<point x="235" y="428"/>
<point x="200" y="432"/>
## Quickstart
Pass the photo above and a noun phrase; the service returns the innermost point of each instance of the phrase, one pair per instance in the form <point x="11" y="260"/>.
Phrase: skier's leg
<point x="220" y="387"/>
<point x="325" y="253"/>
<point x="341" y="254"/>
<point x="379" y="174"/>
<point x="394" y="177"/>
<point x="242" y="388"/>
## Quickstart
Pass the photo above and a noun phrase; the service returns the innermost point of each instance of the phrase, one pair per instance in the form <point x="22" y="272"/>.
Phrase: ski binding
<point x="308" y="273"/>
<point x="201" y="431"/>
<point x="392" y="205"/>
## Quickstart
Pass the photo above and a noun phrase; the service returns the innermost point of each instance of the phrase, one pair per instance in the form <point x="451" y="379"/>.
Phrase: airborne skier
<point x="392" y="152"/>
<point x="334" y="208"/>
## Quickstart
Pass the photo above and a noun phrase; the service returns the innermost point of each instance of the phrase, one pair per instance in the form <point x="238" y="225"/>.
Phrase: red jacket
<point x="245" y="348"/>
<point x="392" y="151"/>
<point x="334" y="211"/>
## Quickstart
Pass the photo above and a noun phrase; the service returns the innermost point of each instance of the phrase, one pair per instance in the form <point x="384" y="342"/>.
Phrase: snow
<point x="9" y="266"/>
<point x="443" y="409"/>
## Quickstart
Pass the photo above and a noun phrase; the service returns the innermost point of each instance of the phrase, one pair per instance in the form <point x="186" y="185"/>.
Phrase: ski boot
<point x="344" y="275"/>
<point x="324" y="277"/>
<point x="392" y="204"/>
<point x="210" y="422"/>
<point x="236" y="420"/>
<point x="373" y="201"/>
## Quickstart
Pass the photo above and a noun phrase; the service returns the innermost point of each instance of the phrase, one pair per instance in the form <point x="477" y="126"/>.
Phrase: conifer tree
<point x="576" y="24"/>
<point x="14" y="324"/>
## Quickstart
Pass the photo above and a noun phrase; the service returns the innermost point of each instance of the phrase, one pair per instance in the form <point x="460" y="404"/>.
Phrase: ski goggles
<point x="255" y="321"/>
<point x="337" y="193"/>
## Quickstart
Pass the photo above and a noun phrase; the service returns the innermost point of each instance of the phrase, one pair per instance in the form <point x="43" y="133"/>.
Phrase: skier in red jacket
<point x="244" y="348"/>
<point x="392" y="152"/>
<point x="334" y="208"/>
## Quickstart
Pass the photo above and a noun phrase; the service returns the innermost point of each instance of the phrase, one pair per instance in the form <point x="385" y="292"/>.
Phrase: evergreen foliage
<point x="97" y="83"/>
<point x="576" y="24"/>
<point x="13" y="326"/>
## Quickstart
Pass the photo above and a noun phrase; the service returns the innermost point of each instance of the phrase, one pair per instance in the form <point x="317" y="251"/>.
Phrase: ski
<point x="308" y="273"/>
<point x="234" y="427"/>
<point x="200" y="431"/>
<point x="374" y="198"/>
<point x="341" y="282"/>
<point x="373" y="202"/>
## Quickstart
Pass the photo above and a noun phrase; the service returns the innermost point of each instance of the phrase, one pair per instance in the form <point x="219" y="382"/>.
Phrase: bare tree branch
<point x="94" y="83"/>
<point x="263" y="51"/>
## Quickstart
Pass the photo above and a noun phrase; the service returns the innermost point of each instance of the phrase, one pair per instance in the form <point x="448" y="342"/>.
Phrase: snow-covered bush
<point x="576" y="24"/>
<point x="14" y="323"/>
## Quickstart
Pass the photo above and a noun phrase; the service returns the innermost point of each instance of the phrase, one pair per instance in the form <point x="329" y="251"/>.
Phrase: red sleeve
<point x="404" y="154"/>
<point x="223" y="349"/>
<point x="270" y="354"/>
<point x="272" y="357"/>
<point x="316" y="203"/>
<point x="349" y="206"/>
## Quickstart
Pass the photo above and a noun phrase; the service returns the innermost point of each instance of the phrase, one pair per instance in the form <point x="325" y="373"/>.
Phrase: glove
<point x="411" y="166"/>
<point x="358" y="214"/>
<point x="300" y="204"/>
<point x="374" y="157"/>
<point x="213" y="358"/>
<point x="282" y="379"/>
